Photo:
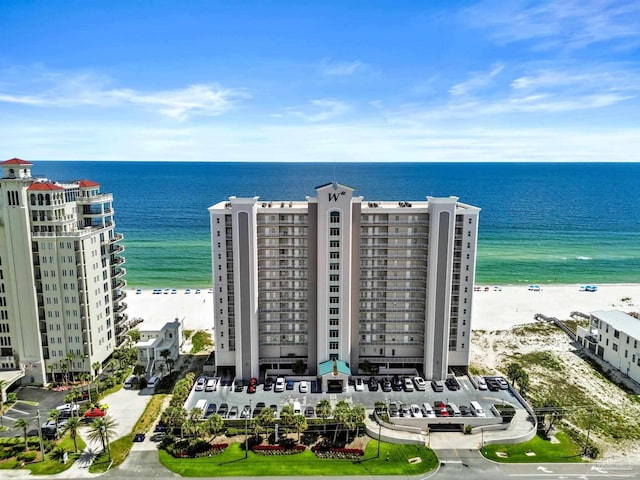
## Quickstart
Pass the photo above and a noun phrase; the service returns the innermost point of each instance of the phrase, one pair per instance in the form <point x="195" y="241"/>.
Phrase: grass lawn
<point x="232" y="463"/>
<point x="119" y="451"/>
<point x="545" y="451"/>
<point x="51" y="467"/>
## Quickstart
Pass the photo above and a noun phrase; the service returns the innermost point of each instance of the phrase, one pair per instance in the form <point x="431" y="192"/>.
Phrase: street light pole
<point x="40" y="435"/>
<point x="246" y="433"/>
<point x="379" y="437"/>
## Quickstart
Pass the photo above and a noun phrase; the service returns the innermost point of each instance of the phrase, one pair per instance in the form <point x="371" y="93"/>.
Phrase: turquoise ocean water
<point x="540" y="223"/>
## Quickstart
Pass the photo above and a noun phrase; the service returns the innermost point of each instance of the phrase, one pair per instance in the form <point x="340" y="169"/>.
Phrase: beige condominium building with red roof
<point x="61" y="276"/>
<point x="381" y="283"/>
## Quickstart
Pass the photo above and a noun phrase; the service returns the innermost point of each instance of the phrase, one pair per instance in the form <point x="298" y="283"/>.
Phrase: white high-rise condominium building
<point x="61" y="275"/>
<point x="336" y="278"/>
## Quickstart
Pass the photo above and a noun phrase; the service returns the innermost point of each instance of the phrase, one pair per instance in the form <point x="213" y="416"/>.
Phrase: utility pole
<point x="246" y="433"/>
<point x="40" y="435"/>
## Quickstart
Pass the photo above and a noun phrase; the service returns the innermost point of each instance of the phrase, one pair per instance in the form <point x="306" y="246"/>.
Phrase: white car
<point x="420" y="384"/>
<point x="304" y="387"/>
<point x="415" y="411"/>
<point x="482" y="384"/>
<point x="200" y="384"/>
<point x="279" y="386"/>
<point x="359" y="385"/>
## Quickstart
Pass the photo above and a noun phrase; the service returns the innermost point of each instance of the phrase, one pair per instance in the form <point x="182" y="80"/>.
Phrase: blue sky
<point x="320" y="81"/>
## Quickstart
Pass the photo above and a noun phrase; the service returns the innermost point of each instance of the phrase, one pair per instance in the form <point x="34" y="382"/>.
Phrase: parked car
<point x="420" y="384"/>
<point x="492" y="384"/>
<point x="200" y="384"/>
<point x="441" y="409"/>
<point x="251" y="388"/>
<point x="504" y="385"/>
<point x="157" y="437"/>
<point x="303" y="387"/>
<point x="396" y="383"/>
<point x="453" y="410"/>
<point x="290" y="384"/>
<point x="274" y="408"/>
<point x="279" y="386"/>
<point x="239" y="386"/>
<point x="211" y="409"/>
<point x="68" y="410"/>
<point x="373" y="384"/>
<point x="407" y="384"/>
<point x="386" y="385"/>
<point x="246" y="412"/>
<point x="309" y="412"/>
<point x="465" y="411"/>
<point x="452" y="384"/>
<point x="437" y="385"/>
<point x="393" y="410"/>
<point x="481" y="382"/>
<point x="139" y="437"/>
<point x="95" y="413"/>
<point x="403" y="409"/>
<point x="223" y="410"/>
<point x="233" y="413"/>
<point x="359" y="385"/>
<point x="160" y="427"/>
<point x="415" y="411"/>
<point x="427" y="410"/>
<point x="268" y="383"/>
<point x="258" y="410"/>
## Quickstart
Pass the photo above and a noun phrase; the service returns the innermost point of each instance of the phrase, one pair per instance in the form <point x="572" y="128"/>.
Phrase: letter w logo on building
<point x="333" y="197"/>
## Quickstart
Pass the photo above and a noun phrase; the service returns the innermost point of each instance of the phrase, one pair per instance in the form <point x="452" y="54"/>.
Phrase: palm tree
<point x="165" y="354"/>
<point x="73" y="426"/>
<point x="51" y="367"/>
<point x="3" y="385"/>
<point x="161" y="367"/>
<point x="57" y="454"/>
<point x="213" y="425"/>
<point x="513" y="371"/>
<point x="64" y="368"/>
<point x="102" y="429"/>
<point x="286" y="415"/>
<point x="195" y="414"/>
<point x="24" y="425"/>
<point x="358" y="415"/>
<point x="170" y="363"/>
<point x="323" y="409"/>
<point x="69" y="358"/>
<point x="96" y="368"/>
<point x="54" y="416"/>
<point x="300" y="422"/>
<point x="341" y="414"/>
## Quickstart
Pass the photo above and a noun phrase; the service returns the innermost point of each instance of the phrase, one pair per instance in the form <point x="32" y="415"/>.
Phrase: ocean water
<point x="540" y="223"/>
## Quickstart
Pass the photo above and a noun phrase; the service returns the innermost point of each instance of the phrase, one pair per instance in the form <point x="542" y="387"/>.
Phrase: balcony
<point x="121" y="307"/>
<point x="118" y="272"/>
<point x="119" y="283"/>
<point x="116" y="249"/>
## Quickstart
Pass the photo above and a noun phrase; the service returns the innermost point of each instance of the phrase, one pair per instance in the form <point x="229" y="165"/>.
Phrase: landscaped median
<point x="393" y="459"/>
<point x="536" y="450"/>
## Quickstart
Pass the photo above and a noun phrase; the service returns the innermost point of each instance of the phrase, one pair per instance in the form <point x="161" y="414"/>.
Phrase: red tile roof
<point x="87" y="183"/>
<point x="44" y="186"/>
<point x="16" y="161"/>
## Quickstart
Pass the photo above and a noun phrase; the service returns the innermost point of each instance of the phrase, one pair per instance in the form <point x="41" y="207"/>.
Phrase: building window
<point x="334" y="243"/>
<point x="334" y="217"/>
<point x="334" y="300"/>
<point x="333" y="333"/>
<point x="616" y="333"/>
<point x="334" y="231"/>
<point x="334" y="311"/>
<point x="334" y="266"/>
<point x="334" y="255"/>
<point x="333" y="345"/>
<point x="334" y="322"/>
<point x="615" y="347"/>
<point x="334" y="278"/>
<point x="334" y="289"/>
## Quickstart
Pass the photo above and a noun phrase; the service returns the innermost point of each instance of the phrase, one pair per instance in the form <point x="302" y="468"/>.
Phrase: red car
<point x="251" y="389"/>
<point x="440" y="409"/>
<point x="94" y="413"/>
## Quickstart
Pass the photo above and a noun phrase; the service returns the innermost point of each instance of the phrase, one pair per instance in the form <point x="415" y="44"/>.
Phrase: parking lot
<point x="30" y="401"/>
<point x="225" y="394"/>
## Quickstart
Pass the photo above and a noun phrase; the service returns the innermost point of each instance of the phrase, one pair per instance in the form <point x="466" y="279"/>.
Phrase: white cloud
<point x="341" y="69"/>
<point x="565" y="24"/>
<point x="321" y="110"/>
<point x="476" y="80"/>
<point x="51" y="89"/>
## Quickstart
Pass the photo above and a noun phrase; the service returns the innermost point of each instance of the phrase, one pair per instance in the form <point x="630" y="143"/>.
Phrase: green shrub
<point x="27" y="457"/>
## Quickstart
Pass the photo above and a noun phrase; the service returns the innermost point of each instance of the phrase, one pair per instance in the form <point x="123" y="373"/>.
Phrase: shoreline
<point x="501" y="309"/>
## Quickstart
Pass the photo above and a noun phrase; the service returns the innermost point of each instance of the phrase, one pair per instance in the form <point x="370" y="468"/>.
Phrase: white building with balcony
<point x="334" y="277"/>
<point x="61" y="275"/>
<point x="614" y="336"/>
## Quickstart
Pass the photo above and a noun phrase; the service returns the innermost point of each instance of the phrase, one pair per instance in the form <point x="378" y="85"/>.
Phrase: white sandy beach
<point x="492" y="310"/>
